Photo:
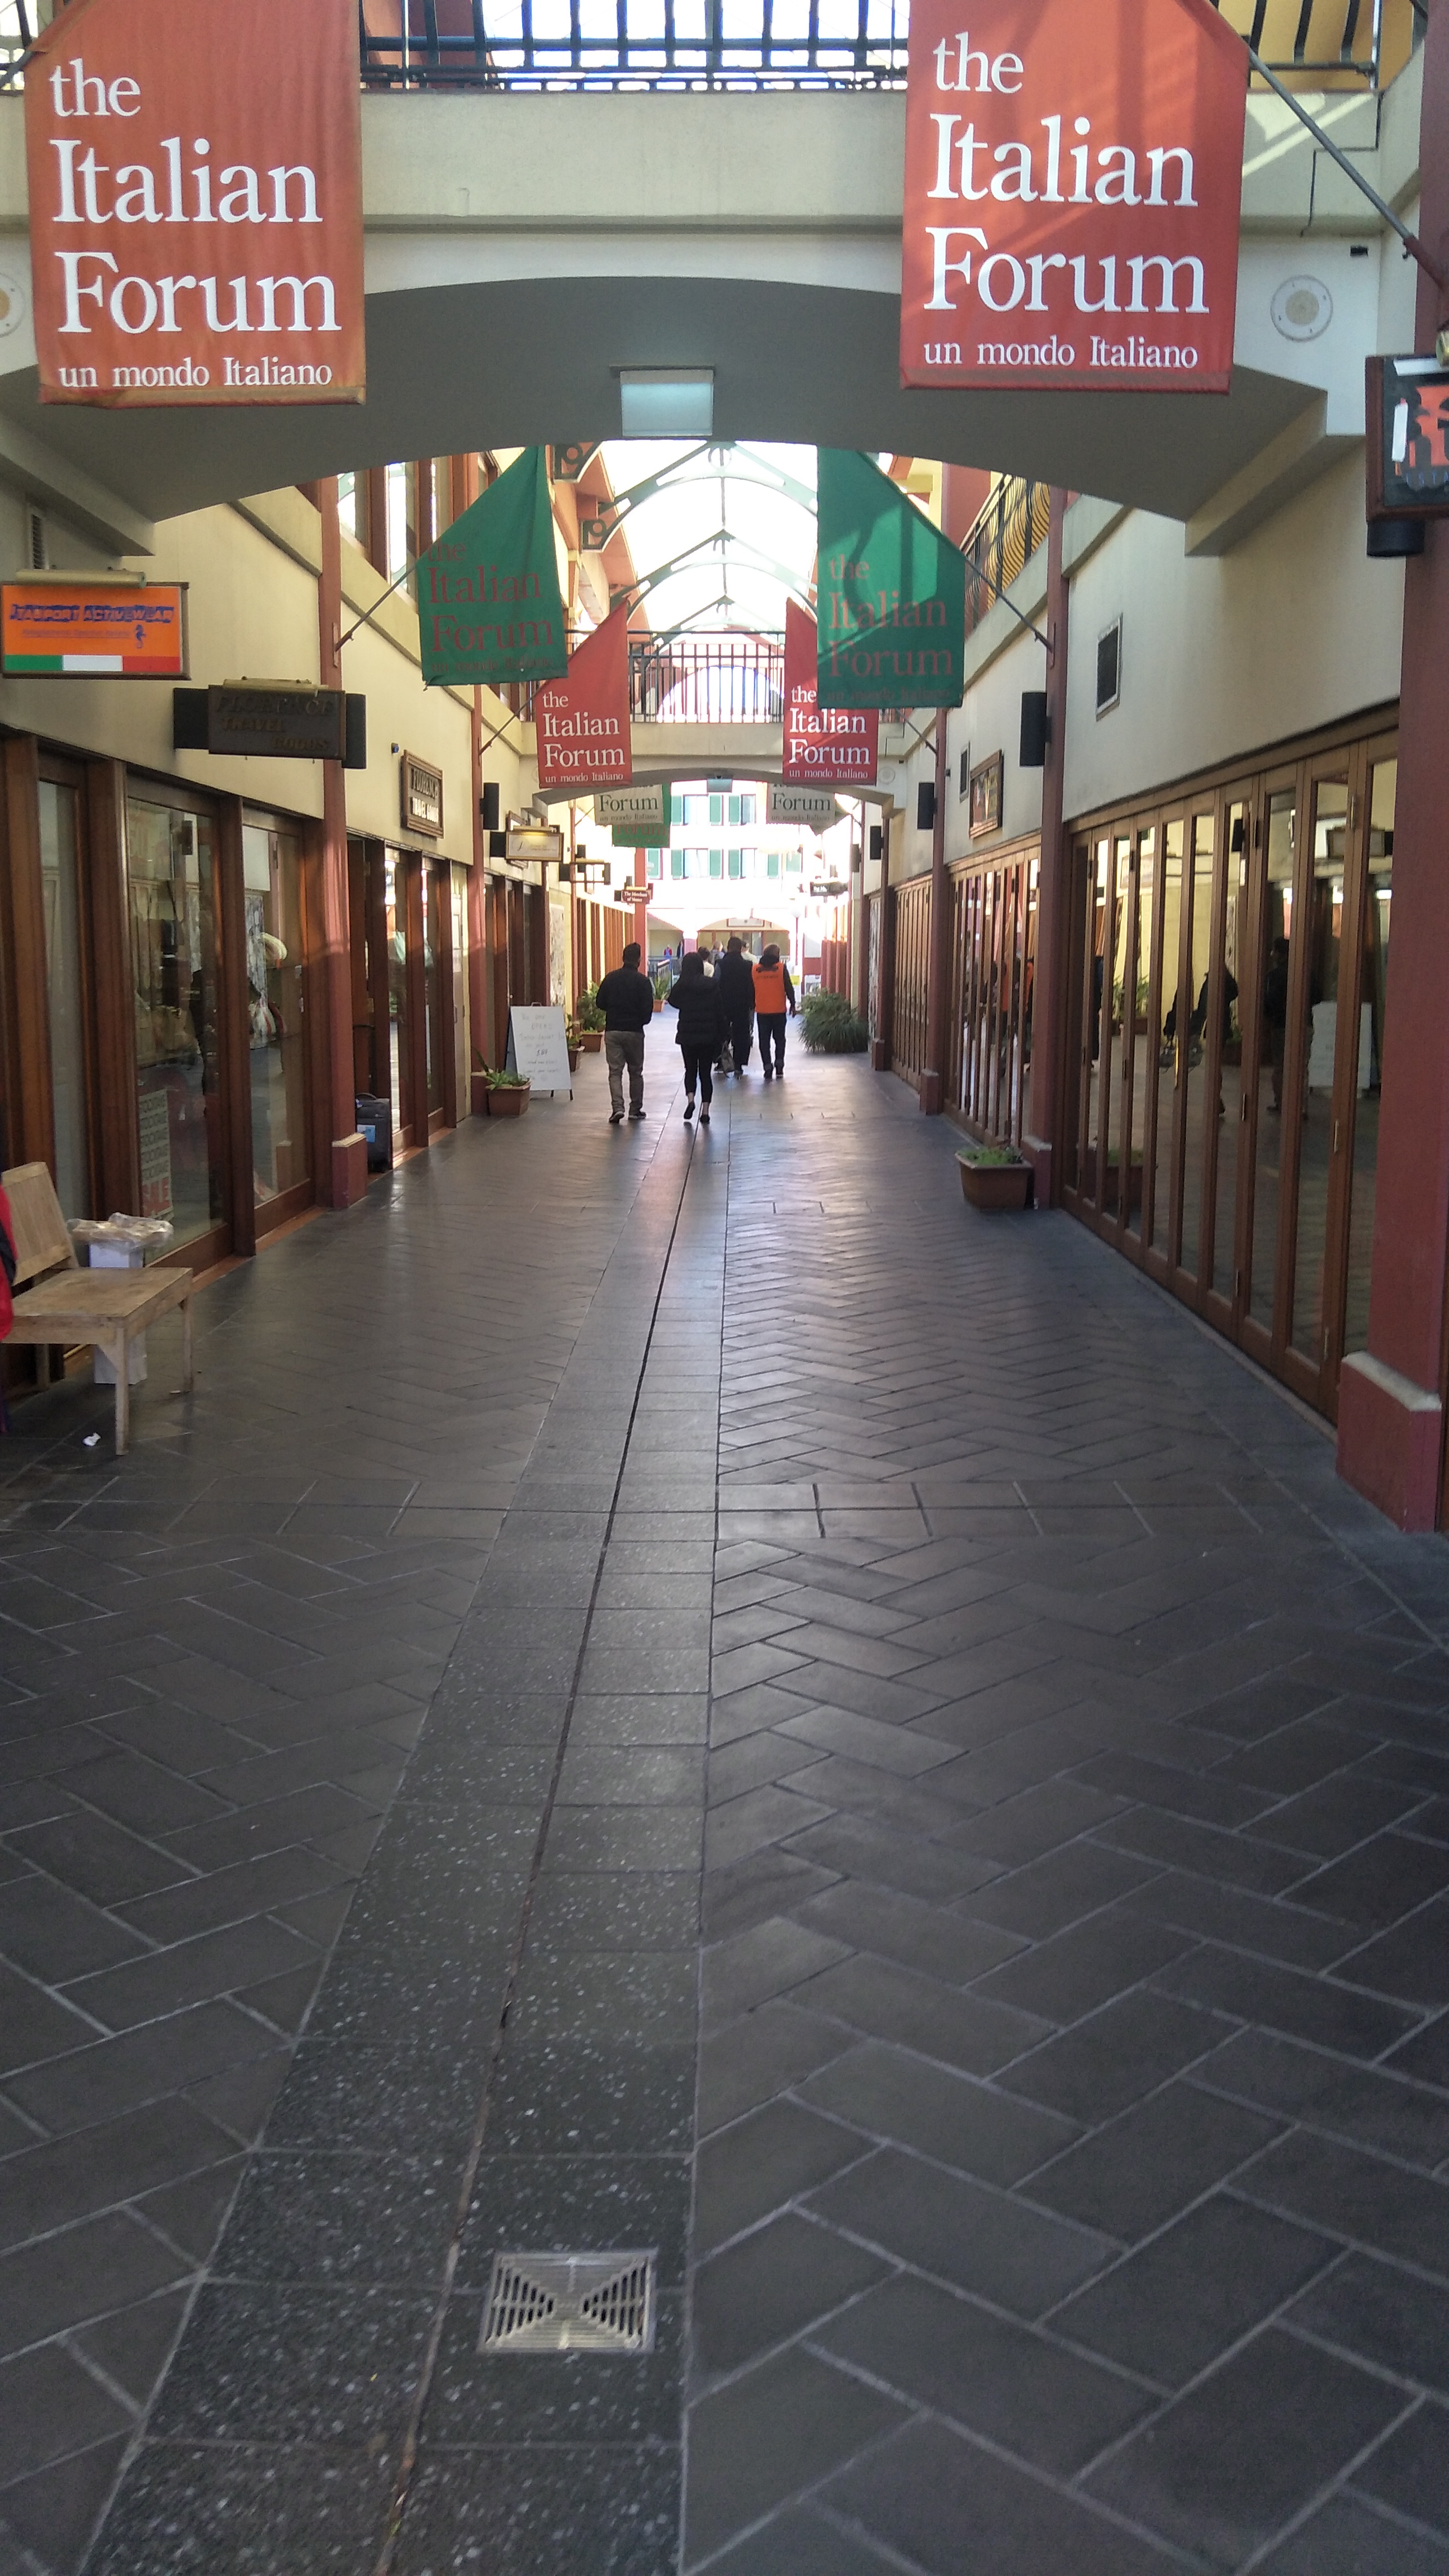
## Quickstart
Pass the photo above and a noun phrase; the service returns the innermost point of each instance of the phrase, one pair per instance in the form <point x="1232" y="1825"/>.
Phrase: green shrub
<point x="990" y="1158"/>
<point x="832" y="1027"/>
<point x="508" y="1082"/>
<point x="587" y="1011"/>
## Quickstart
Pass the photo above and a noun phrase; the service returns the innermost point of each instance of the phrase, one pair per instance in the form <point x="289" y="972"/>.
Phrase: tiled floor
<point x="1055" y="2184"/>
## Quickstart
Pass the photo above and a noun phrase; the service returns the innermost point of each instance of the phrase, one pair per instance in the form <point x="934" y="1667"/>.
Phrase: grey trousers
<point x="625" y="1047"/>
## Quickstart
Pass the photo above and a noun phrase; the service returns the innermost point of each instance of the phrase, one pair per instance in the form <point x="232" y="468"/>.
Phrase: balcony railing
<point x="755" y="44"/>
<point x="790" y="44"/>
<point x="708" y="679"/>
<point x="1003" y="539"/>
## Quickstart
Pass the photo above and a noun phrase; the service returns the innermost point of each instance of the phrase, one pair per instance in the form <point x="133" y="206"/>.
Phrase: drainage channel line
<point x="386" y="2559"/>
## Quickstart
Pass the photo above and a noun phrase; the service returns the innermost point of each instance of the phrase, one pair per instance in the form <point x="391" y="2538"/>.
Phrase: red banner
<point x="826" y="746"/>
<point x="196" y="203"/>
<point x="1073" y="191"/>
<point x="582" y="720"/>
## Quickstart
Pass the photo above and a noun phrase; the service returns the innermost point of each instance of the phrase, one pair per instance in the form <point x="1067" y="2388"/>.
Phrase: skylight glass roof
<point x="721" y="535"/>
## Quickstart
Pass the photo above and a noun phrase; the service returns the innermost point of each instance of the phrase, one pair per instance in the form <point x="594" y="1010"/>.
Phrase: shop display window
<point x="174" y="963"/>
<point x="60" y="895"/>
<point x="276" y="1001"/>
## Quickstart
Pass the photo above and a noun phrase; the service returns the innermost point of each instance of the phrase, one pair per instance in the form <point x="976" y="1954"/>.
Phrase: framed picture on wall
<point x="986" y="780"/>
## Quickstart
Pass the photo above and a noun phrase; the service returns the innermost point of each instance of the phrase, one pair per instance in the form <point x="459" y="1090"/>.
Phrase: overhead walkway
<point x="602" y="1551"/>
<point x="522" y="247"/>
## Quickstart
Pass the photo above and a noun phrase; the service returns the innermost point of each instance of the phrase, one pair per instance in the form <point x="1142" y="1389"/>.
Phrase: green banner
<point x="489" y="606"/>
<point x="891" y="610"/>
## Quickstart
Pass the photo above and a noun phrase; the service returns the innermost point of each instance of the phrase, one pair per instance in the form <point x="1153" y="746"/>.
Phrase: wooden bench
<point x="104" y="1309"/>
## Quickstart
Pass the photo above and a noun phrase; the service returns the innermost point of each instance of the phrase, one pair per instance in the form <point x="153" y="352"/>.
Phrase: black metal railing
<point x="707" y="679"/>
<point x="648" y="44"/>
<point x="1004" y="536"/>
<point x="754" y="44"/>
<point x="787" y="44"/>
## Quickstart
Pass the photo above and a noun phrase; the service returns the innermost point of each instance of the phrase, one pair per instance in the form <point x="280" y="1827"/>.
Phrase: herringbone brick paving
<point x="1070" y="2145"/>
<point x="1073" y="2124"/>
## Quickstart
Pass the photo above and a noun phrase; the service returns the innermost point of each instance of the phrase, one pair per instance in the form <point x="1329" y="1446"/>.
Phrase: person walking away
<point x="626" y="999"/>
<point x="701" y="1026"/>
<point x="774" y="994"/>
<point x="735" y="977"/>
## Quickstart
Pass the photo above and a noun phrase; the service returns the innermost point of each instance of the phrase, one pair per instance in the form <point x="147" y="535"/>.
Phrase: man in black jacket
<point x="735" y="977"/>
<point x="626" y="999"/>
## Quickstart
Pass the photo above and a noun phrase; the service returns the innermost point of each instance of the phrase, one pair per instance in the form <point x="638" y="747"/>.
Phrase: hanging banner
<point x="1073" y="194"/>
<point x="891" y="592"/>
<point x="835" y="745"/>
<point x="640" y="813"/>
<point x="489" y="605"/>
<point x="195" y="179"/>
<point x="582" y="720"/>
<point x="814" y="807"/>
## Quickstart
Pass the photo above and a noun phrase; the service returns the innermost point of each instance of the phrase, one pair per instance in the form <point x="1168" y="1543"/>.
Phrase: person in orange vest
<point x="774" y="995"/>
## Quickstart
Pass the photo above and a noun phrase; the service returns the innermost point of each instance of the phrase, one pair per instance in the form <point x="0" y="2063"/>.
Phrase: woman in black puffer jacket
<point x="700" y="1032"/>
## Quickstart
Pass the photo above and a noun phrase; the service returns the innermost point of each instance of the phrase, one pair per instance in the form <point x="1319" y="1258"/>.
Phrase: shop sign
<point x="93" y="629"/>
<point x="642" y="813"/>
<point x="631" y="895"/>
<point x="277" y="724"/>
<point x="422" y="797"/>
<point x="541" y="842"/>
<point x="1408" y="438"/>
<point x="1073" y="195"/>
<point x="490" y="610"/>
<point x="891" y="592"/>
<point x="195" y="181"/>
<point x="813" y="807"/>
<point x="581" y="722"/>
<point x="841" y="744"/>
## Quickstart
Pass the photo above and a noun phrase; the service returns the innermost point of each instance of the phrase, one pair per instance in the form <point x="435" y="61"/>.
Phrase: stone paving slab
<point x="1044" y="2125"/>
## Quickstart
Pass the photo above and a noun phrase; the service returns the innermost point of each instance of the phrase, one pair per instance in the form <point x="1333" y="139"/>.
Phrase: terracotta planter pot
<point x="573" y="1059"/>
<point x="592" y="1041"/>
<point x="994" y="1188"/>
<point x="658" y="1001"/>
<point x="510" y="1102"/>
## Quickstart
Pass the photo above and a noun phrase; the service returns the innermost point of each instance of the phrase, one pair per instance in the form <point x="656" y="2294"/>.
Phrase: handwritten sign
<point x="538" y="1049"/>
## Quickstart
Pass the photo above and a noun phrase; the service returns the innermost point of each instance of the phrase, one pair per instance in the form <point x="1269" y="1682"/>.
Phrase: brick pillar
<point x="1049" y="992"/>
<point x="1391" y="1413"/>
<point x="344" y="1177"/>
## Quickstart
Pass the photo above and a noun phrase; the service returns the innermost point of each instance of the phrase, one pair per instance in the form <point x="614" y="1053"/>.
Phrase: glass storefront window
<point x="1169" y="1053"/>
<point x="60" y="896"/>
<point x="439" y="1020"/>
<point x="170" y="879"/>
<point x="1373" y="991"/>
<point x="1138" y="1053"/>
<point x="276" y="1034"/>
<point x="1277" y="951"/>
<point x="1324" y="931"/>
<point x="1230" y="1124"/>
<point x="1202" y="1103"/>
<point x="397" y="986"/>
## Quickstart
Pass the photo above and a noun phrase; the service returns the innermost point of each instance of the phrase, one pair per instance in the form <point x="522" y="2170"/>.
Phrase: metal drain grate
<point x="570" y="2303"/>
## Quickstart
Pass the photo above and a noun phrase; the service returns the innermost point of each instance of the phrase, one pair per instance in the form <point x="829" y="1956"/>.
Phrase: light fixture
<point x="666" y="402"/>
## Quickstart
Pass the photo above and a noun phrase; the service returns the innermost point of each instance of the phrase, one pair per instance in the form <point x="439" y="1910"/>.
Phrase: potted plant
<point x="508" y="1094"/>
<point x="663" y="987"/>
<point x="478" y="1081"/>
<point x="573" y="1034"/>
<point x="994" y="1178"/>
<point x="589" y="1020"/>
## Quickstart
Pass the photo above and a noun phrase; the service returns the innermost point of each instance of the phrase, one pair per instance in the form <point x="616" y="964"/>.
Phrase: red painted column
<point x="1049" y="991"/>
<point x="1391" y="1413"/>
<point x="346" y="1178"/>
